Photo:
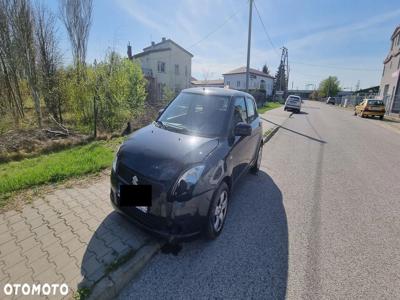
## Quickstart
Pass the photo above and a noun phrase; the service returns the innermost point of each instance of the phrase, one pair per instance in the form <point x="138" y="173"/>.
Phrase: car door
<point x="256" y="132"/>
<point x="238" y="155"/>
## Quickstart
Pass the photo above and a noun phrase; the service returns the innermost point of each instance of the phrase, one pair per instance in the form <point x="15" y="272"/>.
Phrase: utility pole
<point x="248" y="46"/>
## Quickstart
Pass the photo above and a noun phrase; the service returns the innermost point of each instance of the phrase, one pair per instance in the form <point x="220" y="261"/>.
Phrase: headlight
<point x="115" y="161"/>
<point x="187" y="181"/>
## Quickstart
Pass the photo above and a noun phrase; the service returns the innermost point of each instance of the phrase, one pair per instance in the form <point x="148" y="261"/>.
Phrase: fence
<point x="392" y="104"/>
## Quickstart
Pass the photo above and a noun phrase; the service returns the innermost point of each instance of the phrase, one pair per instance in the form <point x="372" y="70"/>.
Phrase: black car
<point x="191" y="156"/>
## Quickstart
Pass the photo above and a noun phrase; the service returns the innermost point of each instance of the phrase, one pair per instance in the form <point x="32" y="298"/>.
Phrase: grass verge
<point x="55" y="167"/>
<point x="268" y="106"/>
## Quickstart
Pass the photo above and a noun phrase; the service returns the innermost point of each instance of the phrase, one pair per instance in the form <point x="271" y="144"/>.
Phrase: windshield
<point x="375" y="102"/>
<point x="196" y="114"/>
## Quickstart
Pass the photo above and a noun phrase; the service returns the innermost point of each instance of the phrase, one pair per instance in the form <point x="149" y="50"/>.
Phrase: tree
<point x="23" y="23"/>
<point x="329" y="87"/>
<point x="77" y="18"/>
<point x="119" y="87"/>
<point x="167" y="94"/>
<point x="10" y="64"/>
<point x="49" y="59"/>
<point x="265" y="69"/>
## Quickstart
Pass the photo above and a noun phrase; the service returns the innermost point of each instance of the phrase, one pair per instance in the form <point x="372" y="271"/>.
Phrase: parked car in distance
<point x="192" y="156"/>
<point x="370" y="108"/>
<point x="293" y="103"/>
<point x="331" y="100"/>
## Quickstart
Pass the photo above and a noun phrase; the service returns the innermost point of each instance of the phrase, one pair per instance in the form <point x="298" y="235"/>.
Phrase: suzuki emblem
<point x="135" y="180"/>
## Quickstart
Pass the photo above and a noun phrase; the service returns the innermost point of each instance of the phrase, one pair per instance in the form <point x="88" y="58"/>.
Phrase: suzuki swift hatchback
<point x="190" y="158"/>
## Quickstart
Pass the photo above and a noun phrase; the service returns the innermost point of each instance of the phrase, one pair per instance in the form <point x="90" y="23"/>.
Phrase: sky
<point x="344" y="38"/>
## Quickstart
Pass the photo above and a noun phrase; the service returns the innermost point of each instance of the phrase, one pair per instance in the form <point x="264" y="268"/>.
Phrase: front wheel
<point x="355" y="113"/>
<point x="217" y="212"/>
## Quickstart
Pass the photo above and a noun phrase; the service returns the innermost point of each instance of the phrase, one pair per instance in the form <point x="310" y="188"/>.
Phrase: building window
<point x="228" y="83"/>
<point x="176" y="69"/>
<point x="238" y="83"/>
<point x="186" y="71"/>
<point x="161" y="67"/>
<point x="262" y="84"/>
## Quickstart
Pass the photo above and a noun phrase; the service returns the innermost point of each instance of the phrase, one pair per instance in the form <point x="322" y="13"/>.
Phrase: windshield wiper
<point x="160" y="124"/>
<point x="177" y="128"/>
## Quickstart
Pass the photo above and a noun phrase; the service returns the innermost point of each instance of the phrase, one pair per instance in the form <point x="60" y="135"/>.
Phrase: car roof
<point x="294" y="96"/>
<point x="216" y="91"/>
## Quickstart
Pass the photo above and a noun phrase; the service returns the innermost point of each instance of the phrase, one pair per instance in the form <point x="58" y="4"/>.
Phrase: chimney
<point x="129" y="52"/>
<point x="163" y="39"/>
<point x="152" y="43"/>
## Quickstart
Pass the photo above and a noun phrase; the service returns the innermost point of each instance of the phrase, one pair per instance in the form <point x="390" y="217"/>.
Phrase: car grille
<point x="126" y="174"/>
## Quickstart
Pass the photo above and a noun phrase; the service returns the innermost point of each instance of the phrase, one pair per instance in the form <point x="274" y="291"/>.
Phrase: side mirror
<point x="242" y="129"/>
<point x="161" y="111"/>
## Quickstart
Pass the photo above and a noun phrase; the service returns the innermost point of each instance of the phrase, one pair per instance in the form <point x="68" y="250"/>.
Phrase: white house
<point x="166" y="64"/>
<point x="236" y="79"/>
<point x="390" y="82"/>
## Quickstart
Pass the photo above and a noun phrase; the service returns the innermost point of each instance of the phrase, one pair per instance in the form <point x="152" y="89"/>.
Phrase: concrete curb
<point x="271" y="132"/>
<point x="111" y="285"/>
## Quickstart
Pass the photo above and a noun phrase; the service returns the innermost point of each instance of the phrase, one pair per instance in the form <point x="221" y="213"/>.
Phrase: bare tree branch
<point x="77" y="18"/>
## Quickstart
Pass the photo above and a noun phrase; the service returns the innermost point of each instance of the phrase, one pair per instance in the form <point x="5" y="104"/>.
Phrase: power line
<point x="265" y="30"/>
<point x="334" y="67"/>
<point x="216" y="29"/>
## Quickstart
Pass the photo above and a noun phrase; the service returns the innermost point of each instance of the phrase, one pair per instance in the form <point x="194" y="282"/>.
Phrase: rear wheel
<point x="380" y="117"/>
<point x="217" y="212"/>
<point x="355" y="113"/>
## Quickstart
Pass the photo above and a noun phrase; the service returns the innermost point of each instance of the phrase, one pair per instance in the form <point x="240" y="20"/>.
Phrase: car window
<point x="294" y="98"/>
<point x="197" y="114"/>
<point x="375" y="102"/>
<point x="251" y="110"/>
<point x="239" y="113"/>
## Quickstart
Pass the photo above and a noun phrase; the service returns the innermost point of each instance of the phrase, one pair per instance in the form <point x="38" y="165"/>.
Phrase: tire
<point x="218" y="210"/>
<point x="380" y="117"/>
<point x="257" y="162"/>
<point x="355" y="113"/>
<point x="285" y="109"/>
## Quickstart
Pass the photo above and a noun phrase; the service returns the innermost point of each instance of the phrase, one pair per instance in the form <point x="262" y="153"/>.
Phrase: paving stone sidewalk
<point x="70" y="235"/>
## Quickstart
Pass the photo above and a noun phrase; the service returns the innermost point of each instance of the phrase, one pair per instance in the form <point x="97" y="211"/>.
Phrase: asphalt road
<point x="320" y="221"/>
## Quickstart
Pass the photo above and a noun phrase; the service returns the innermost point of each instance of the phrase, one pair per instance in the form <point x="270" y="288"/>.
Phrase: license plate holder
<point x="138" y="196"/>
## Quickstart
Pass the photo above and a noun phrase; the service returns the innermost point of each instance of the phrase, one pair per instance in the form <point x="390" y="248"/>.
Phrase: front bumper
<point x="183" y="219"/>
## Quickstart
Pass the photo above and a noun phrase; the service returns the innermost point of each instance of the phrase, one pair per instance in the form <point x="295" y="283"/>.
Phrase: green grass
<point x="268" y="106"/>
<point x="56" y="166"/>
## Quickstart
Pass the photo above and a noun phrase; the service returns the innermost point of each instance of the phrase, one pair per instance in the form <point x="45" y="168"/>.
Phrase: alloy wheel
<point x="220" y="211"/>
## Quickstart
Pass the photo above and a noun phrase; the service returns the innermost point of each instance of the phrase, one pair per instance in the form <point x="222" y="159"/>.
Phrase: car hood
<point x="160" y="154"/>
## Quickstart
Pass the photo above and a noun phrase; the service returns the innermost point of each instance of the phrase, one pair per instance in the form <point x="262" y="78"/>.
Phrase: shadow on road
<point x="296" y="132"/>
<point x="249" y="260"/>
<point x="114" y="241"/>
